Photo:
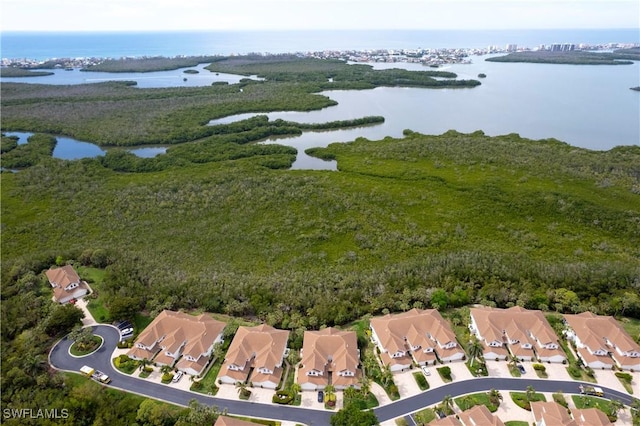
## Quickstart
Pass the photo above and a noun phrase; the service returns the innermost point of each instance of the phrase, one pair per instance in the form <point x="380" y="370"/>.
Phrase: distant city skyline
<point x="173" y="15"/>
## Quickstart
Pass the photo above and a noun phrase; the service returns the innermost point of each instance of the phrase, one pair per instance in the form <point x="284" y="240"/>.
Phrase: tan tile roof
<point x="197" y="333"/>
<point x="263" y="345"/>
<point x="519" y="324"/>
<point x="230" y="421"/>
<point x="421" y="327"/>
<point x="590" y="417"/>
<point x="552" y="413"/>
<point x="330" y="343"/>
<point x="479" y="416"/>
<point x="451" y="420"/>
<point x="60" y="278"/>
<point x="593" y="329"/>
<point x="63" y="276"/>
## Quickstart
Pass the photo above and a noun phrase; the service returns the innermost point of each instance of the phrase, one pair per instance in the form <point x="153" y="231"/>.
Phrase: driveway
<point x="406" y="383"/>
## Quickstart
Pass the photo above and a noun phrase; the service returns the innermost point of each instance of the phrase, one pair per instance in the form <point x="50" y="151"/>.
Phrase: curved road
<point x="61" y="359"/>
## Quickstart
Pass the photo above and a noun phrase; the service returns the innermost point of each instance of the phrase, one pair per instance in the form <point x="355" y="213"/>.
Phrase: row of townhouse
<point x="543" y="413"/>
<point x="601" y="342"/>
<point x="419" y="335"/>
<point x="522" y="333"/>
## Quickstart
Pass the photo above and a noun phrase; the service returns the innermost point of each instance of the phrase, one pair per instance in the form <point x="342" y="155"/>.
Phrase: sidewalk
<point x="88" y="318"/>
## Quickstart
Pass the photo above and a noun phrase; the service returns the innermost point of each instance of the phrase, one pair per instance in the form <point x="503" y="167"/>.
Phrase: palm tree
<point x="241" y="386"/>
<point x="295" y="389"/>
<point x="530" y="393"/>
<point x="447" y="403"/>
<point x="365" y="386"/>
<point x="386" y="377"/>
<point x="165" y="369"/>
<point x="616" y="406"/>
<point x="495" y="396"/>
<point x="33" y="364"/>
<point x="143" y="363"/>
<point x="475" y="350"/>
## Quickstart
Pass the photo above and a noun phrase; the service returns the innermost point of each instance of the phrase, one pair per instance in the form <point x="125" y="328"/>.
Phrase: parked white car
<point x="426" y="371"/>
<point x="177" y="377"/>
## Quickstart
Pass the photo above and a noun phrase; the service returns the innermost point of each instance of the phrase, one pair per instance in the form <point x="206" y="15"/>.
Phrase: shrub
<point x="167" y="377"/>
<point x="445" y="373"/>
<point x="282" y="397"/>
<point x="539" y="367"/>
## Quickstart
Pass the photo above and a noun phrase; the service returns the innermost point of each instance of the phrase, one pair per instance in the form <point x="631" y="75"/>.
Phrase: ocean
<point x="46" y="45"/>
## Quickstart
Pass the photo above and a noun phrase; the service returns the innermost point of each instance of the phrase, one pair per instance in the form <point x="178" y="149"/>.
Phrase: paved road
<point x="435" y="396"/>
<point x="101" y="360"/>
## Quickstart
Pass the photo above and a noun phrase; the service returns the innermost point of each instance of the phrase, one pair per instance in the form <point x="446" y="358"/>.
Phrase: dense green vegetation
<point x="575" y="57"/>
<point x="146" y="64"/>
<point x="117" y="114"/>
<point x="333" y="74"/>
<point x="21" y="72"/>
<point x="16" y="156"/>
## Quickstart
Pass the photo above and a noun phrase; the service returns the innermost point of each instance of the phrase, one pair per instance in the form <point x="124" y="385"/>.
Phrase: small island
<point x="572" y="57"/>
<point x="21" y="72"/>
<point x="637" y="88"/>
<point x="482" y="75"/>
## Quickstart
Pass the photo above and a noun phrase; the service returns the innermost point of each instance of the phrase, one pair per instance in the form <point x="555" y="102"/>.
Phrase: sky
<point x="153" y="15"/>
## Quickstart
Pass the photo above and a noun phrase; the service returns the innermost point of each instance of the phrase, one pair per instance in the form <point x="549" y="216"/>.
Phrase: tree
<point x="124" y="307"/>
<point x="475" y="350"/>
<point x="495" y="397"/>
<point x="365" y="385"/>
<point x="241" y="386"/>
<point x="82" y="336"/>
<point x="530" y="393"/>
<point x="153" y="413"/>
<point x="447" y="404"/>
<point x="295" y="389"/>
<point x="351" y="415"/>
<point x="62" y="319"/>
<point x="199" y="414"/>
<point x="616" y="406"/>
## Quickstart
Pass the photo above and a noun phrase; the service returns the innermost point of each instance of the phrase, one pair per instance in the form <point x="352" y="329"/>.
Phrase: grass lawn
<point x="516" y="423"/>
<point x="520" y="399"/>
<point x="96" y="342"/>
<point x="425" y="416"/>
<point x="625" y="379"/>
<point x="445" y="374"/>
<point x="468" y="401"/>
<point x="584" y="401"/>
<point x="514" y="371"/>
<point x="421" y="380"/>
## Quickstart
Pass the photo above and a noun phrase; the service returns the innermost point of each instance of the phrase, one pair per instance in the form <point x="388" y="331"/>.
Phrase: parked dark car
<point x="521" y="368"/>
<point x="320" y="396"/>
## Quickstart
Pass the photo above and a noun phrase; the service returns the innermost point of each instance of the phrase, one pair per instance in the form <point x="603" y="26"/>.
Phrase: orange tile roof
<point x="341" y="347"/>
<point x="517" y="325"/>
<point x="551" y="413"/>
<point x="230" y="421"/>
<point x="420" y="327"/>
<point x="261" y="345"/>
<point x="590" y="417"/>
<point x="592" y="330"/>
<point x="479" y="416"/>
<point x="62" y="276"/>
<point x="196" y="333"/>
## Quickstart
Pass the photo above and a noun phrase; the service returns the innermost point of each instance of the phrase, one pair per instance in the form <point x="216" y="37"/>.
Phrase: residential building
<point x="475" y="416"/>
<point x="66" y="284"/>
<point x="553" y="414"/>
<point x="601" y="342"/>
<point x="230" y="421"/>
<point x="179" y="337"/>
<point x="418" y="335"/>
<point x="479" y="415"/>
<point x="329" y="357"/>
<point x="525" y="334"/>
<point x="255" y="355"/>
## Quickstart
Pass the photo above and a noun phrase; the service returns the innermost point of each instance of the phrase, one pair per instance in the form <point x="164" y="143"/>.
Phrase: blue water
<point x="42" y="45"/>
